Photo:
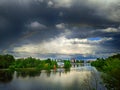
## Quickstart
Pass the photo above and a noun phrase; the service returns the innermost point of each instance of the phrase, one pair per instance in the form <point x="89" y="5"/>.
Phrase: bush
<point x="67" y="64"/>
<point x="111" y="68"/>
<point x="12" y="68"/>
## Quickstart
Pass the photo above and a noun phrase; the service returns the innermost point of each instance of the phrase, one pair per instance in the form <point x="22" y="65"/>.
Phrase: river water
<point x="76" y="78"/>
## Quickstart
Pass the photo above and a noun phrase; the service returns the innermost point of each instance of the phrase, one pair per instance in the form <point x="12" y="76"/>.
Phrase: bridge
<point x="80" y="64"/>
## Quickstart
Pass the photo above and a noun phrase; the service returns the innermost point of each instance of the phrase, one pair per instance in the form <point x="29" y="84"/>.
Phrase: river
<point x="77" y="78"/>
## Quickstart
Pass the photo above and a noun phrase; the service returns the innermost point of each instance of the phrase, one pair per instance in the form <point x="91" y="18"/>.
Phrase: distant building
<point x="73" y="60"/>
<point x="60" y="64"/>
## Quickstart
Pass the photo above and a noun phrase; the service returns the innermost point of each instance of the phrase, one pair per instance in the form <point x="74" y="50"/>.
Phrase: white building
<point x="60" y="64"/>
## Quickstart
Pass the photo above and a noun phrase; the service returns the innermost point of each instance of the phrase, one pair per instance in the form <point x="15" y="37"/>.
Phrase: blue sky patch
<point x="94" y="38"/>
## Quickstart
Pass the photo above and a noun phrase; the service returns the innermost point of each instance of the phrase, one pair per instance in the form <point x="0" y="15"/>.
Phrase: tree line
<point x="110" y="67"/>
<point x="9" y="62"/>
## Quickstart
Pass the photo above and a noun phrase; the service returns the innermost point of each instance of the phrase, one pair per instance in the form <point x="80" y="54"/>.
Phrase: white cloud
<point x="104" y="39"/>
<point x="87" y="41"/>
<point x="110" y="30"/>
<point x="60" y="26"/>
<point x="36" y="25"/>
<point x="50" y="3"/>
<point x="60" y="45"/>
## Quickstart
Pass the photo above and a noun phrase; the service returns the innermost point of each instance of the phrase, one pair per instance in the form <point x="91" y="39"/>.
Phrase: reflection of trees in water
<point x="92" y="81"/>
<point x="61" y="70"/>
<point x="6" y="76"/>
<point x="54" y="72"/>
<point x="48" y="73"/>
<point x="34" y="73"/>
<point x="87" y="82"/>
<point x="67" y="70"/>
<point x="30" y="73"/>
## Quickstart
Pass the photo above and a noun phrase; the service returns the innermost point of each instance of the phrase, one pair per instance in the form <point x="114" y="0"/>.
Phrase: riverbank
<point x="111" y="71"/>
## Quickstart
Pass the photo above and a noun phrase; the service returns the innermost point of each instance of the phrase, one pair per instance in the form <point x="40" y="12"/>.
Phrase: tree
<point x="6" y="60"/>
<point x="67" y="64"/>
<point x="111" y="71"/>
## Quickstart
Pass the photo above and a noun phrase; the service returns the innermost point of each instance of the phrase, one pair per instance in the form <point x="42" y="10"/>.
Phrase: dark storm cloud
<point x="80" y="18"/>
<point x="14" y="15"/>
<point x="84" y="15"/>
<point x="112" y="44"/>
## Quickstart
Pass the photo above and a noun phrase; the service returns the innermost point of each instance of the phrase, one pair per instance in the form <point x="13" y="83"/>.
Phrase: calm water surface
<point x="77" y="78"/>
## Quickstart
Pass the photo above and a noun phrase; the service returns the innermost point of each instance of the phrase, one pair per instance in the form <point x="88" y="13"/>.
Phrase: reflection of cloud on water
<point x="85" y="79"/>
<point x="65" y="80"/>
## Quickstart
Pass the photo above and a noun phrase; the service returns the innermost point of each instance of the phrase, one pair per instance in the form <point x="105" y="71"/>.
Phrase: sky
<point x="60" y="29"/>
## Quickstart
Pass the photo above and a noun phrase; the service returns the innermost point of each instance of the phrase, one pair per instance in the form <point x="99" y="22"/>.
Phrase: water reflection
<point x="35" y="73"/>
<point x="28" y="73"/>
<point x="6" y="76"/>
<point x="79" y="78"/>
<point x="48" y="73"/>
<point x="80" y="64"/>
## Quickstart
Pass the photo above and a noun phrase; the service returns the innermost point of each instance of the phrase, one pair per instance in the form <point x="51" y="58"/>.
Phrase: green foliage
<point x="47" y="64"/>
<point x="79" y="61"/>
<point x="34" y="63"/>
<point x="6" y="60"/>
<point x="26" y="63"/>
<point x="67" y="64"/>
<point x="111" y="68"/>
<point x="99" y="63"/>
<point x="12" y="68"/>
